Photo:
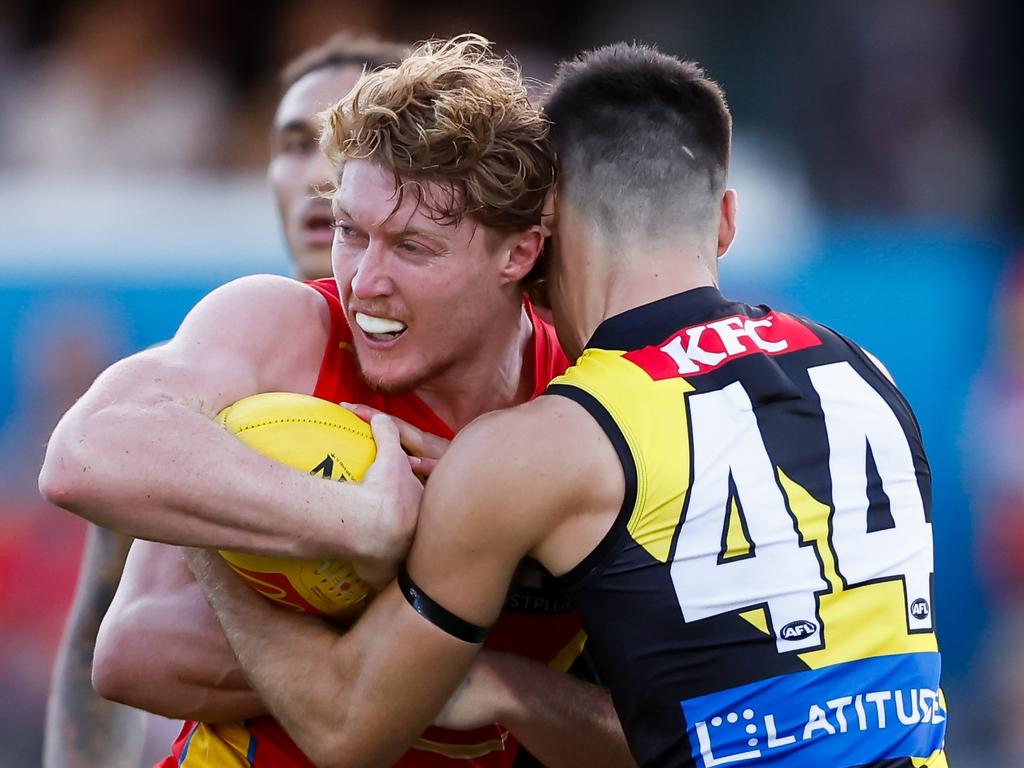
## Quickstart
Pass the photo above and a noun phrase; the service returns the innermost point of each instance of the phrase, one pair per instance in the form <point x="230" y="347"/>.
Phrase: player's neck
<point x="499" y="374"/>
<point x="643" y="282"/>
<point x="629" y="281"/>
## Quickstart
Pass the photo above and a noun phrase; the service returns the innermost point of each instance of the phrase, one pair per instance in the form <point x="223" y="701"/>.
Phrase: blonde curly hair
<point x="455" y="114"/>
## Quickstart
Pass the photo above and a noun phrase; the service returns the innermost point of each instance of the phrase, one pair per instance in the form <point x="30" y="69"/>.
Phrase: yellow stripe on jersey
<point x="569" y="653"/>
<point x="737" y="541"/>
<point x="848" y="635"/>
<point x="462" y="751"/>
<point x="936" y="760"/>
<point x="756" y="617"/>
<point x="221" y="745"/>
<point x="659" y="496"/>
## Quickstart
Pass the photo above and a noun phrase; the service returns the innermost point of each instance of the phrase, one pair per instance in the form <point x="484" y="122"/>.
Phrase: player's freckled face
<point x="418" y="294"/>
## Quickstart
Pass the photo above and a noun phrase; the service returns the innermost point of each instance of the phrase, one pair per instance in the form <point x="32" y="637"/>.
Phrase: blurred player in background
<point x="738" y="500"/>
<point x="299" y="173"/>
<point x="443" y="166"/>
<point x="84" y="729"/>
<point x="38" y="545"/>
<point x="991" y="449"/>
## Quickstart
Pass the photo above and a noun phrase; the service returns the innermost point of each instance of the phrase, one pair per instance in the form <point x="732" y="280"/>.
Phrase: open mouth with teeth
<point x="380" y="328"/>
<point x="317" y="228"/>
<point x="318" y="221"/>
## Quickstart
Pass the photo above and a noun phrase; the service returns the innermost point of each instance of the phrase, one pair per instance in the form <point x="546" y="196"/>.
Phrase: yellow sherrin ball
<point x="321" y="438"/>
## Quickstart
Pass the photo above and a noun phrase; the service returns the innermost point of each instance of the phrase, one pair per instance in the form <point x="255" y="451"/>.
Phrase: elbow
<point x="327" y="744"/>
<point x="330" y="752"/>
<point x="322" y="742"/>
<point x="121" y="671"/>
<point x="56" y="487"/>
<point x="112" y="677"/>
<point x="119" y="675"/>
<point x="109" y="683"/>
<point x="341" y="744"/>
<point x="80" y="475"/>
<point x="64" y="478"/>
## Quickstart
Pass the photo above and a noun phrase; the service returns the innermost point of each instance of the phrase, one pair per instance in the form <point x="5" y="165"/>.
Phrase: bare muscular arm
<point x="82" y="729"/>
<point x="561" y="720"/>
<point x="194" y="674"/>
<point x="360" y="698"/>
<point x="139" y="452"/>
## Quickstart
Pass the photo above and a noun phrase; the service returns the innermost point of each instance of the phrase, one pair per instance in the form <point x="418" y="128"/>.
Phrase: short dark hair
<point x="343" y="49"/>
<point x="642" y="138"/>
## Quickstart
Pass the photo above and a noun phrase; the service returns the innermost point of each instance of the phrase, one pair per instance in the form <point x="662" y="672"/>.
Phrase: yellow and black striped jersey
<point x="765" y="596"/>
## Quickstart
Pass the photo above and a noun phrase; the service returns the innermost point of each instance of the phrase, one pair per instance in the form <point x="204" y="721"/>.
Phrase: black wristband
<point x="437" y="614"/>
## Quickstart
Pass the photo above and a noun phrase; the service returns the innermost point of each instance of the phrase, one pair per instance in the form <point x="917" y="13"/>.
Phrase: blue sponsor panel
<point x="844" y="715"/>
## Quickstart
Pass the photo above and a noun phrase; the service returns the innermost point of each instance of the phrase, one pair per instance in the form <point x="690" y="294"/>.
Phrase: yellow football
<point x="321" y="438"/>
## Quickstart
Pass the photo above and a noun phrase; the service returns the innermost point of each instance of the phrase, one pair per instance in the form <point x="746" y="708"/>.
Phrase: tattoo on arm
<point x="83" y="729"/>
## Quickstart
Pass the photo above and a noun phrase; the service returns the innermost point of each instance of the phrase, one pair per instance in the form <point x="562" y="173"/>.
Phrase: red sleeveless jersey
<point x="537" y="621"/>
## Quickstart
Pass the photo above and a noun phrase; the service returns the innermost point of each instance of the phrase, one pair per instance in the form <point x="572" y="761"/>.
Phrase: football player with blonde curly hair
<point x="442" y="167"/>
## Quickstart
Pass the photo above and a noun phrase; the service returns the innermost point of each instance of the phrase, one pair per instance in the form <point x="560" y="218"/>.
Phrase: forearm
<point x="141" y="451"/>
<point x="196" y="693"/>
<point x="161" y="649"/>
<point x="82" y="729"/>
<point x="145" y="468"/>
<point x="178" y="700"/>
<point x="289" y="663"/>
<point x="562" y="721"/>
<point x="357" y="699"/>
<point x="287" y="659"/>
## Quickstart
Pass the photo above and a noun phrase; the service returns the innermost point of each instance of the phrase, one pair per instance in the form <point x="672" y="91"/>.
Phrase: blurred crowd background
<point x="879" y="168"/>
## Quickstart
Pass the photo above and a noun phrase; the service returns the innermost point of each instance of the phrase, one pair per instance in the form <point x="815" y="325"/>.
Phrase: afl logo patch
<point x="797" y="630"/>
<point x="919" y="608"/>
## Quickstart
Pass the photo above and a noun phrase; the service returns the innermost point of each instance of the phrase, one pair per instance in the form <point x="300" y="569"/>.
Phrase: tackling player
<point x="425" y="320"/>
<point x="737" y="499"/>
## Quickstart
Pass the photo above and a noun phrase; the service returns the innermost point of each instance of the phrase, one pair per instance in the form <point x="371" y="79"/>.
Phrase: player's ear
<point x="727" y="222"/>
<point x="524" y="248"/>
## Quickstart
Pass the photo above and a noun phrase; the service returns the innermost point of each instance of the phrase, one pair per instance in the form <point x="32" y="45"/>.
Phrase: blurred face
<point x="298" y="170"/>
<point x="422" y="298"/>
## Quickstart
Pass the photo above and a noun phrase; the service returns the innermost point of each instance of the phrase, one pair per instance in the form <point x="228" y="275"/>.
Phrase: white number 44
<point x="778" y="572"/>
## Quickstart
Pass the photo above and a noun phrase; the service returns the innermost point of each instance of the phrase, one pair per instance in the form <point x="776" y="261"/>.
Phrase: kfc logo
<point x="702" y="348"/>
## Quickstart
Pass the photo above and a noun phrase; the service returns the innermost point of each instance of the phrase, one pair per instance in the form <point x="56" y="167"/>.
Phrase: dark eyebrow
<point x="293" y="126"/>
